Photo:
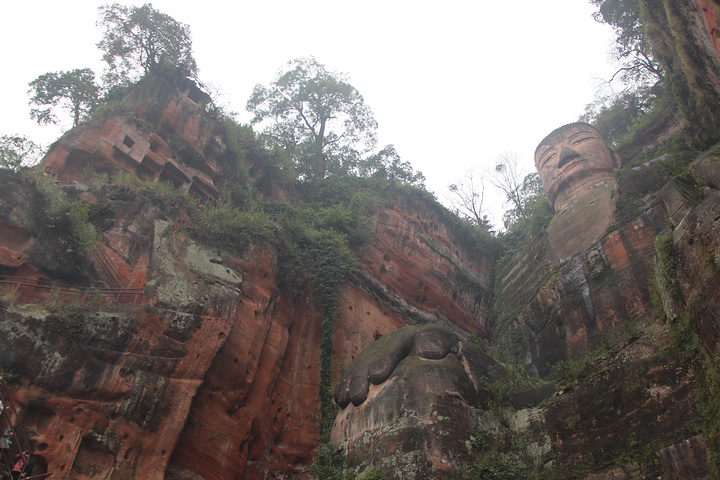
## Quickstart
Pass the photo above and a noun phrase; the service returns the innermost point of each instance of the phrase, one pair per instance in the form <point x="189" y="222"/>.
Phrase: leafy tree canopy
<point x="317" y="116"/>
<point x="524" y="199"/>
<point x="613" y="115"/>
<point x="387" y="164"/>
<point x="18" y="152"/>
<point x="74" y="91"/>
<point x="641" y="75"/>
<point x="632" y="48"/>
<point x="137" y="40"/>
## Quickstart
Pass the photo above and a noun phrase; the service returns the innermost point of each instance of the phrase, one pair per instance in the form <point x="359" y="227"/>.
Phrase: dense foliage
<point x="640" y="74"/>
<point x="136" y="40"/>
<point x="632" y="48"/>
<point x="18" y="152"/>
<point x="74" y="91"/>
<point x="317" y="116"/>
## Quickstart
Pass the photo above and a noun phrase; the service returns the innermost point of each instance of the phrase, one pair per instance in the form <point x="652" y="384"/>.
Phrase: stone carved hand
<point x="416" y="344"/>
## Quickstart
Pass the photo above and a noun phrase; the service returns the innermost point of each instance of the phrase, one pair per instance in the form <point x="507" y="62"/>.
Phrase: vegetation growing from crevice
<point x="314" y="255"/>
<point x="505" y="452"/>
<point x="685" y="181"/>
<point x="636" y="185"/>
<point x="684" y="340"/>
<point x="508" y="442"/>
<point x="70" y="316"/>
<point x="127" y="186"/>
<point x="568" y="374"/>
<point x="666" y="266"/>
<point x="231" y="228"/>
<point x="66" y="238"/>
<point x="504" y="381"/>
<point x="669" y="27"/>
<point x="538" y="216"/>
<point x="320" y="260"/>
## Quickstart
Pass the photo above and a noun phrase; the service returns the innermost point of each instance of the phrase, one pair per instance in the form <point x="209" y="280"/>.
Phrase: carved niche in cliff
<point x="169" y="141"/>
<point x="575" y="166"/>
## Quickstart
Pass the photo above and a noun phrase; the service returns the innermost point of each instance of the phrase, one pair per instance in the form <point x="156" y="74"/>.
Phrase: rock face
<point x="160" y="132"/>
<point x="548" y="311"/>
<point x="416" y="271"/>
<point x="609" y="300"/>
<point x="685" y="42"/>
<point x="408" y="399"/>
<point x="560" y="311"/>
<point x="642" y="392"/>
<point x="152" y="352"/>
<point x="214" y="371"/>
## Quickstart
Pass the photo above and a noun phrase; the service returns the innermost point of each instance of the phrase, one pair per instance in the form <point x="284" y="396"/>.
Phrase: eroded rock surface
<point x="214" y="373"/>
<point x="406" y="402"/>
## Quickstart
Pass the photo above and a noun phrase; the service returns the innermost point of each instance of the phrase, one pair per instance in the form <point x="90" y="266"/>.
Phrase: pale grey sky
<point x="452" y="84"/>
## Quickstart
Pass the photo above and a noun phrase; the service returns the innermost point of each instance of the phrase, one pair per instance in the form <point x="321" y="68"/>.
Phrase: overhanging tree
<point x="74" y="91"/>
<point x="529" y="197"/>
<point x="317" y="116"/>
<point x="640" y="73"/>
<point x="138" y="40"/>
<point x="632" y="48"/>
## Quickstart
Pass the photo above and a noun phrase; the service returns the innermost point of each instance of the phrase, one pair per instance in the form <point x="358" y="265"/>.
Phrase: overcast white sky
<point x="452" y="84"/>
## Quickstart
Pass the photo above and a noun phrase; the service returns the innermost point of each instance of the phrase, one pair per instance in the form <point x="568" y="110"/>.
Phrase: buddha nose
<point x="566" y="155"/>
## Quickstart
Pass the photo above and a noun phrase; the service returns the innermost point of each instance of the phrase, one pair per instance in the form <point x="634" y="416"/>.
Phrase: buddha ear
<point x="617" y="161"/>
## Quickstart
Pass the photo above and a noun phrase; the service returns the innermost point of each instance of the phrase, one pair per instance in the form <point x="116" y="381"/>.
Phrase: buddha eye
<point x="549" y="157"/>
<point x="581" y="140"/>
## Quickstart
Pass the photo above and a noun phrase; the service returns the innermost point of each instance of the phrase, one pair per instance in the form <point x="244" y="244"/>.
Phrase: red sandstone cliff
<point x="213" y="371"/>
<point x="175" y="358"/>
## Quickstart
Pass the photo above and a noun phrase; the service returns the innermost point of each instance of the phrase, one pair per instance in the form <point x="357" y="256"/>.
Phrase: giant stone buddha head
<point x="571" y="160"/>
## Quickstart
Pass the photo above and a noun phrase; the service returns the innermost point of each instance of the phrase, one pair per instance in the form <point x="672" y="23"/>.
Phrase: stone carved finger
<point x="380" y="370"/>
<point x="342" y="392"/>
<point x="374" y="365"/>
<point x="377" y="362"/>
<point x="358" y="389"/>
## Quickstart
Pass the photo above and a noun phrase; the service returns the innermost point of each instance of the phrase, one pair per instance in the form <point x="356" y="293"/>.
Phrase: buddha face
<point x="571" y="160"/>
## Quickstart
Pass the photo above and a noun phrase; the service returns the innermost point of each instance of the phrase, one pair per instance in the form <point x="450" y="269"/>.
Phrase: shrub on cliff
<point x="230" y="227"/>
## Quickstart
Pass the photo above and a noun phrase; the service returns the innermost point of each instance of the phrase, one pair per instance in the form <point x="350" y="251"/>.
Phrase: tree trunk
<point x="319" y="154"/>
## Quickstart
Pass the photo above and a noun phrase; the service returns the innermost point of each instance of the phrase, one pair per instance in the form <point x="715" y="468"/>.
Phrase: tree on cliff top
<point x="137" y="40"/>
<point x="317" y="116"/>
<point x="467" y="198"/>
<point x="387" y="164"/>
<point x="641" y="74"/>
<point x="521" y="191"/>
<point x="632" y="48"/>
<point x="74" y="91"/>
